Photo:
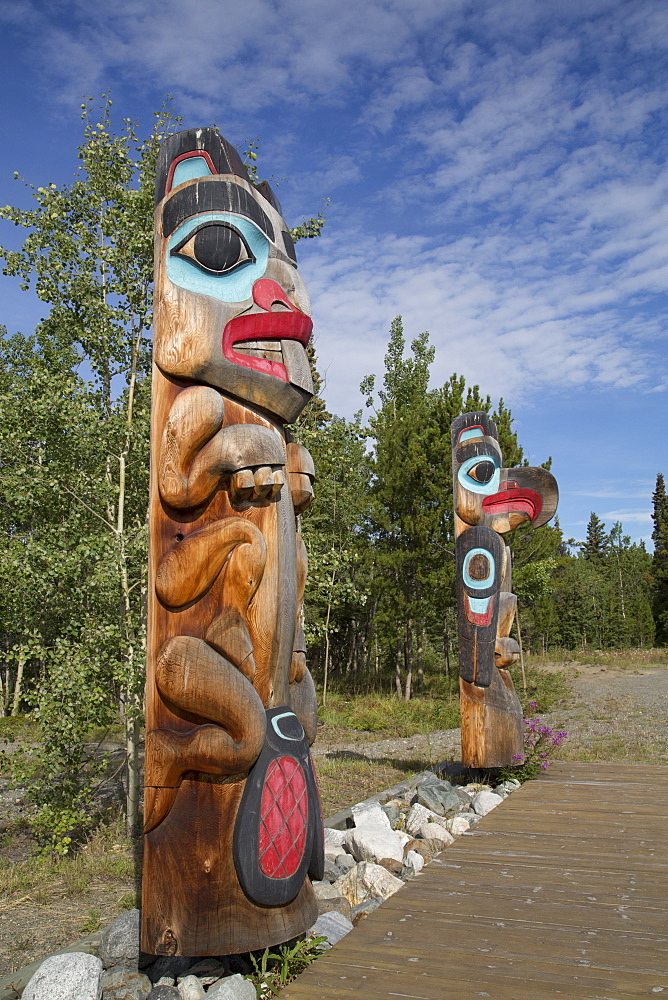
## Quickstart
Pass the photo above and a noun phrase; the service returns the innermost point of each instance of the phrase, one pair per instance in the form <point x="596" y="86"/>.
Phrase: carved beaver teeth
<point x="268" y="349"/>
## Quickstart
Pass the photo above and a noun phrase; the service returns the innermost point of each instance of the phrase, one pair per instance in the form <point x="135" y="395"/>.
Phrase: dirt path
<point x="613" y="715"/>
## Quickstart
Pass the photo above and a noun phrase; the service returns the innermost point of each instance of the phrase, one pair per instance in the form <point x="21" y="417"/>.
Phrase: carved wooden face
<point x="489" y="495"/>
<point x="234" y="311"/>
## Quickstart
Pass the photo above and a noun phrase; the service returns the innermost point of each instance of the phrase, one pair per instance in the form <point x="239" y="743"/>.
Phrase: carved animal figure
<point x="232" y="814"/>
<point x="488" y="502"/>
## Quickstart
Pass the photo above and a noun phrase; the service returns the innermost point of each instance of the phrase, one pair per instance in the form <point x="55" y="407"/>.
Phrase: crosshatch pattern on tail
<point x="283" y="818"/>
<point x="278" y="835"/>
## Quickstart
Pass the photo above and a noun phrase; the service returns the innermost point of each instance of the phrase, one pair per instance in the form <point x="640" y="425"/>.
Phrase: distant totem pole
<point x="233" y="822"/>
<point x="489" y="501"/>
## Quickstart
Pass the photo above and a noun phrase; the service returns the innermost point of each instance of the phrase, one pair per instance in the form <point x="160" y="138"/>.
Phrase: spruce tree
<point x="660" y="561"/>
<point x="597" y="544"/>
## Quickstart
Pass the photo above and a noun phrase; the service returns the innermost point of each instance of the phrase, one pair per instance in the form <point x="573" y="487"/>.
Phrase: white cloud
<point x="642" y="516"/>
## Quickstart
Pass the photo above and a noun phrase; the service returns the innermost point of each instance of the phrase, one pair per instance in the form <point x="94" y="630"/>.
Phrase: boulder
<point x="168" y="965"/>
<point x="421" y="847"/>
<point x="364" y="909"/>
<point x="510" y="784"/>
<point x="367" y="880"/>
<point x="457" y="825"/>
<point x="75" y="976"/>
<point x="371" y="842"/>
<point x="436" y="835"/>
<point x="369" y="814"/>
<point x="334" y="838"/>
<point x="164" y="992"/>
<point x="190" y="988"/>
<point x="332" y="870"/>
<point x="345" y="861"/>
<point x="338" y="903"/>
<point x="414" y="861"/>
<point x="393" y="813"/>
<point x="429" y="797"/>
<point x="417" y="817"/>
<point x="123" y="983"/>
<point x="324" y="890"/>
<point x="119" y="944"/>
<point x="391" y="864"/>
<point x="332" y="926"/>
<point x="232" y="988"/>
<point x="485" y="801"/>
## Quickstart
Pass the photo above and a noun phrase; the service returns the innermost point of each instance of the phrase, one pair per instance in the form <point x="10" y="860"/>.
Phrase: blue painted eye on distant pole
<point x="480" y="474"/>
<point x="234" y="255"/>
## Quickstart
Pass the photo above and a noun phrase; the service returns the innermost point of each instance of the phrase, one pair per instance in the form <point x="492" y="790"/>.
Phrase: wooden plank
<point x="511" y="915"/>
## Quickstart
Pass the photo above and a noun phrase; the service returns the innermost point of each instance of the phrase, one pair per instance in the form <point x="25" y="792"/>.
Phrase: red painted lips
<point x="282" y="325"/>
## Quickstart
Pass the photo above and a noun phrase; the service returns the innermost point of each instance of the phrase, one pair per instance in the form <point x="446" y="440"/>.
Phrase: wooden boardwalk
<point x="562" y="891"/>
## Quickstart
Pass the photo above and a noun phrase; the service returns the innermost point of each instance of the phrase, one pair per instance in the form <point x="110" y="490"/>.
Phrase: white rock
<point x="415" y="860"/>
<point x="372" y="843"/>
<point x="457" y="825"/>
<point x="509" y="785"/>
<point x="232" y="988"/>
<point x="190" y="988"/>
<point x="75" y="976"/>
<point x="366" y="880"/>
<point x="403" y="837"/>
<point x="434" y="831"/>
<point x="370" y="814"/>
<point x="417" y="817"/>
<point x="485" y="801"/>
<point x="333" y="926"/>
<point x="334" y="838"/>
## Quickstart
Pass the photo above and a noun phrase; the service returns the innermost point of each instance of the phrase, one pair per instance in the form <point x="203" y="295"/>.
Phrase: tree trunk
<point x="409" y="660"/>
<point x="19" y="680"/>
<point x="397" y="675"/>
<point x="326" y="670"/>
<point x="446" y="645"/>
<point x="420" y="663"/>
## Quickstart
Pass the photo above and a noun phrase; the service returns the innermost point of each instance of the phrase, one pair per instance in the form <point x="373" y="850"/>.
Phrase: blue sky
<point x="497" y="175"/>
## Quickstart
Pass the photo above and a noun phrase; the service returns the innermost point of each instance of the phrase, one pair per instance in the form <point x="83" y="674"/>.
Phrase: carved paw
<point x="262" y="482"/>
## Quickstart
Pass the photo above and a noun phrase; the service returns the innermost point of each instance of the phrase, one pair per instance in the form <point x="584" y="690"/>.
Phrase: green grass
<point x="19" y="728"/>
<point x="548" y="689"/>
<point x="345" y="778"/>
<point x="617" y="659"/>
<point x="107" y="857"/>
<point x="388" y="714"/>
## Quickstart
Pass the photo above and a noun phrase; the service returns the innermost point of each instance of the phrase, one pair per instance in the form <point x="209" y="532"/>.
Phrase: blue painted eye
<point x="215" y="248"/>
<point x="480" y="474"/>
<point x="228" y="269"/>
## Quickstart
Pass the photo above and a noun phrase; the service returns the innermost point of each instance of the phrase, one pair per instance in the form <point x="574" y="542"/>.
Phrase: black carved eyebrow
<point x="485" y="448"/>
<point x="213" y="196"/>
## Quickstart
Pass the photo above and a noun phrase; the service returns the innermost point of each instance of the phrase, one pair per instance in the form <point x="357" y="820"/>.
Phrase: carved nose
<point x="267" y="293"/>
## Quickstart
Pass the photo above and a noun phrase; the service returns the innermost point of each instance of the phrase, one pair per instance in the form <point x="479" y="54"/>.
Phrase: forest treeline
<point x="74" y="448"/>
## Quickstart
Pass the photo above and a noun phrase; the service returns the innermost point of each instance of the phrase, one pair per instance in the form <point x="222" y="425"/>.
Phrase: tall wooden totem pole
<point x="232" y="815"/>
<point x="489" y="501"/>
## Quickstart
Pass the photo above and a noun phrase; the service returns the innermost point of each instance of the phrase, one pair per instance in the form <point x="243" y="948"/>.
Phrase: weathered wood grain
<point x="225" y="645"/>
<point x="489" y="501"/>
<point x="503" y="913"/>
